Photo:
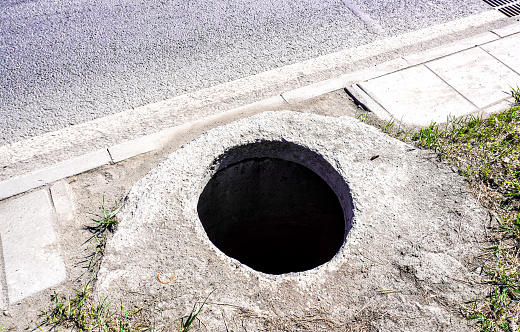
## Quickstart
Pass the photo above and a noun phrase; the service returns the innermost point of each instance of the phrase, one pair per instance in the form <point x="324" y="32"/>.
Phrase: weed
<point x="516" y="94"/>
<point x="105" y="220"/>
<point x="388" y="127"/>
<point x="187" y="321"/>
<point x="510" y="224"/>
<point x="81" y="313"/>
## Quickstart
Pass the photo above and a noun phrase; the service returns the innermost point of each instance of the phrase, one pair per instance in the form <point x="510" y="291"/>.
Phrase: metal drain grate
<point x="509" y="8"/>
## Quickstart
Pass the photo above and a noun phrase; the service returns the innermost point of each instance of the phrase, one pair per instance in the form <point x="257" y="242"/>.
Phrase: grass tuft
<point x="188" y="320"/>
<point x="80" y="312"/>
<point x="105" y="220"/>
<point x="486" y="151"/>
<point x="515" y="92"/>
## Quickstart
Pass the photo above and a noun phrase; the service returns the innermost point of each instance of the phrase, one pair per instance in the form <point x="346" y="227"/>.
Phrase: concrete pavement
<point x="469" y="76"/>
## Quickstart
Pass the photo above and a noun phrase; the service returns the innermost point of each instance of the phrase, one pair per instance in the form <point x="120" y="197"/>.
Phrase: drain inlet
<point x="509" y="8"/>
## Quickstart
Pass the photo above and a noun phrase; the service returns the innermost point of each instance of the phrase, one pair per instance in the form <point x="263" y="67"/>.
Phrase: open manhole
<point x="274" y="211"/>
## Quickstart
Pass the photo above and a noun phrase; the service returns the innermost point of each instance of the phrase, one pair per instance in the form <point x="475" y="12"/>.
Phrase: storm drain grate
<point x="509" y="8"/>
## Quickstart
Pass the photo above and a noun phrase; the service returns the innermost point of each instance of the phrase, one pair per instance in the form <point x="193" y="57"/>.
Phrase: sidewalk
<point x="471" y="76"/>
<point x="467" y="77"/>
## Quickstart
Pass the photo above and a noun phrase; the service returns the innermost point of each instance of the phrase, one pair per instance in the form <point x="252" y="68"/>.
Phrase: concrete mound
<point x="297" y="218"/>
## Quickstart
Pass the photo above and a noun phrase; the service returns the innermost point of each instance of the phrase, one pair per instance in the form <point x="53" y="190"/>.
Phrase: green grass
<point x="487" y="152"/>
<point x="105" y="220"/>
<point x="188" y="321"/>
<point x="79" y="311"/>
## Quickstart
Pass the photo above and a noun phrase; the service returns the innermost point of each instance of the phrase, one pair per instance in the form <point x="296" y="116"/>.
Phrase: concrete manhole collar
<point x="408" y="226"/>
<point x="276" y="207"/>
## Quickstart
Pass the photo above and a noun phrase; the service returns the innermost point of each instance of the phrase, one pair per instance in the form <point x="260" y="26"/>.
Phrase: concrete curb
<point x="362" y="98"/>
<point x="67" y="152"/>
<point x="60" y="171"/>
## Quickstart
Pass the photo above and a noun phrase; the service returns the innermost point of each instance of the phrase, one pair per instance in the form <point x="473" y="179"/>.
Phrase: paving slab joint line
<point x="498" y="106"/>
<point x="502" y="62"/>
<point x="451" y="87"/>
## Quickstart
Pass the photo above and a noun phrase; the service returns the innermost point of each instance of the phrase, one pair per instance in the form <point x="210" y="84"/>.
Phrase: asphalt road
<point x="66" y="62"/>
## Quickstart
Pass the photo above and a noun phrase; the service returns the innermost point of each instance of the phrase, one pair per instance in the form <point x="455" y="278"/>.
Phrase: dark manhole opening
<point x="273" y="215"/>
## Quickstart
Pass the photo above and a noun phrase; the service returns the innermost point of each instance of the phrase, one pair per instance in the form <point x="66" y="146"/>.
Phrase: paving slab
<point x="63" y="201"/>
<point x="507" y="30"/>
<point x="506" y="51"/>
<point x="417" y="96"/>
<point x="476" y="75"/>
<point x="32" y="260"/>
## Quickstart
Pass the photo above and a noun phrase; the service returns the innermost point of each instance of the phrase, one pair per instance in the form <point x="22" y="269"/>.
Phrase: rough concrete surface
<point x="405" y="264"/>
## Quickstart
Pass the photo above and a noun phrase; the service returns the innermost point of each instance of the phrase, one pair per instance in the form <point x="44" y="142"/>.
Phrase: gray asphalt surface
<point x="67" y="62"/>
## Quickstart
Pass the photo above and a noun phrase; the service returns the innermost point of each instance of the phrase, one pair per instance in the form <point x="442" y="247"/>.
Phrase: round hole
<point x="273" y="215"/>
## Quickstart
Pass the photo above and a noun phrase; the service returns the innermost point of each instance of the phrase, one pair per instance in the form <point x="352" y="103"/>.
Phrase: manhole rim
<point x="213" y="167"/>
